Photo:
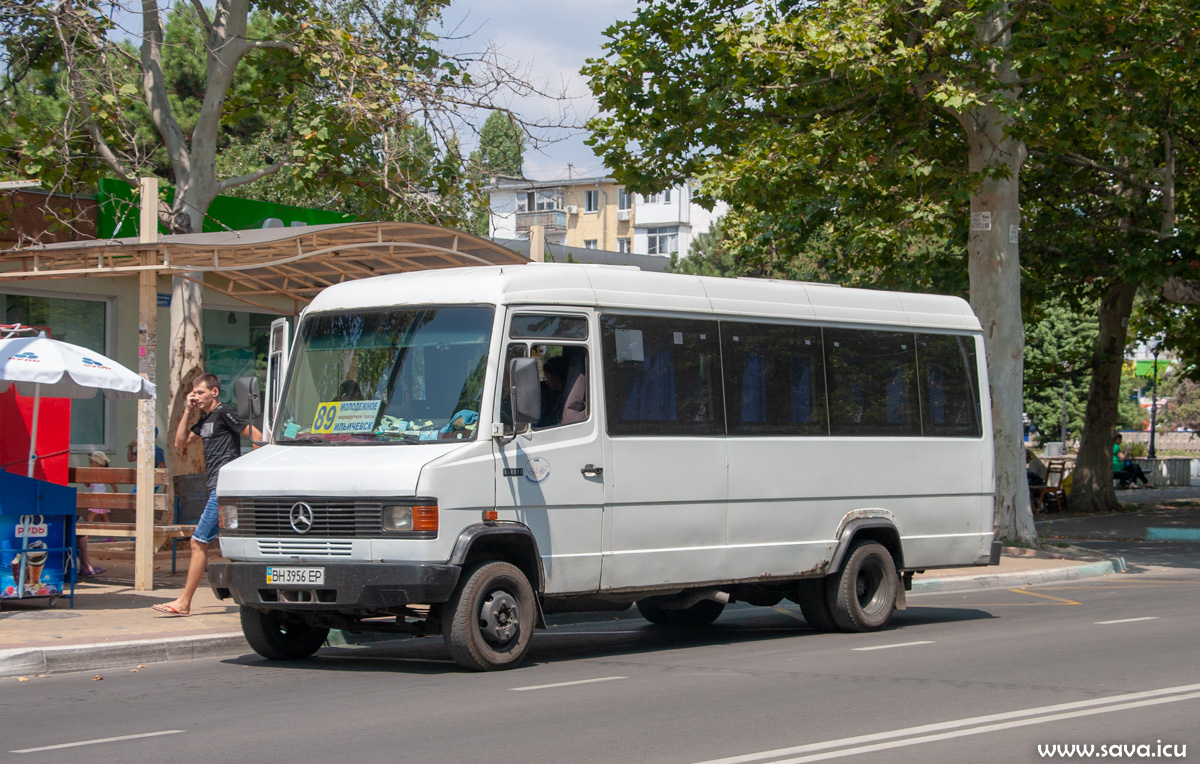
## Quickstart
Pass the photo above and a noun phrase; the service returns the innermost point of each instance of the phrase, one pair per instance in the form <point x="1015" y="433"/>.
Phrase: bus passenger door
<point x="551" y="477"/>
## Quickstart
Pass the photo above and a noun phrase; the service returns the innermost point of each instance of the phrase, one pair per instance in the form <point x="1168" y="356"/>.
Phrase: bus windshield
<point x="384" y="376"/>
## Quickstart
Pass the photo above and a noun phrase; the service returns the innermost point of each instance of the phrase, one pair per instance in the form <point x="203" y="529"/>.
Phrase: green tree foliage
<point x="1058" y="354"/>
<point x="1182" y="405"/>
<point x="501" y="146"/>
<point x="912" y="123"/>
<point x="501" y="152"/>
<point x="350" y="105"/>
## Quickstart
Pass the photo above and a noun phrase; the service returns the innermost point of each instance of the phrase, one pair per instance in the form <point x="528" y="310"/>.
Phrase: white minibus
<point x="465" y="451"/>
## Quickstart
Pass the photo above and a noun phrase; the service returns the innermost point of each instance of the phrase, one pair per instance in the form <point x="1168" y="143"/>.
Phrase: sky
<point x="551" y="40"/>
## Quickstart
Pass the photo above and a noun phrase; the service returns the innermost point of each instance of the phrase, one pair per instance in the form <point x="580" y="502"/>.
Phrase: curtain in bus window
<point x="872" y="383"/>
<point x="774" y="379"/>
<point x="754" y="389"/>
<point x="662" y="376"/>
<point x="949" y="390"/>
<point x="650" y="389"/>
<point x="801" y="389"/>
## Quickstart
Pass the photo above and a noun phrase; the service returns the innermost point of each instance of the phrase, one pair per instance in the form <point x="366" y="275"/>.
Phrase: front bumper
<point x="348" y="587"/>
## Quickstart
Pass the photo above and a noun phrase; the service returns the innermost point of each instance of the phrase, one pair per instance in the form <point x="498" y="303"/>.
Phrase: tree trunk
<point x="187" y="347"/>
<point x="994" y="266"/>
<point x="1092" y="486"/>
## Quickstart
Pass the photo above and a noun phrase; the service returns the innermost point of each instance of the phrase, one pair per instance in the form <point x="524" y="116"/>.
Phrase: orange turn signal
<point x="425" y="517"/>
<point x="490" y="515"/>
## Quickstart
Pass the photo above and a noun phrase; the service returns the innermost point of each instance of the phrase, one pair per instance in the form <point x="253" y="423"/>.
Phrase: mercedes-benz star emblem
<point x="301" y="517"/>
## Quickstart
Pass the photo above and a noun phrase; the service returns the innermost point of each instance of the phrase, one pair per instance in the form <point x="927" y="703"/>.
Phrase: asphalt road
<point x="984" y="676"/>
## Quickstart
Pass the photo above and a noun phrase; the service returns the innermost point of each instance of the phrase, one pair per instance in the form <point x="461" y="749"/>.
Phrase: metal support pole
<point x="1153" y="405"/>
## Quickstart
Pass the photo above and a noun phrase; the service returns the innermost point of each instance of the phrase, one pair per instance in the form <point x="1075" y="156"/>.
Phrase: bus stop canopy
<point x="293" y="263"/>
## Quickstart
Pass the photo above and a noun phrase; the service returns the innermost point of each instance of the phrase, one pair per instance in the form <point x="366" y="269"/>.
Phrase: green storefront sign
<point x="118" y="213"/>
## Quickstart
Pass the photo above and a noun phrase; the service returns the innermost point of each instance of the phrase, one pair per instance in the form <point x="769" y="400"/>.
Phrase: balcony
<point x="552" y="220"/>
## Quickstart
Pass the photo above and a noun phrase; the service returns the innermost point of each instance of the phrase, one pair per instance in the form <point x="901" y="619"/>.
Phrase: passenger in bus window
<point x="554" y="372"/>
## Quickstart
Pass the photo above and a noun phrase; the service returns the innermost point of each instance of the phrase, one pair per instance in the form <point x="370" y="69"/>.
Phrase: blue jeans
<point x="210" y="521"/>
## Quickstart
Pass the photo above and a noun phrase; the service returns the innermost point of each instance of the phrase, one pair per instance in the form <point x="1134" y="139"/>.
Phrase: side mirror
<point x="248" y="397"/>
<point x="525" y="391"/>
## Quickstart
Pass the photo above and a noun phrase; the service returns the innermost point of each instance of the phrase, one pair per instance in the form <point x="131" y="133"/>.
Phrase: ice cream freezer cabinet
<point x="37" y="539"/>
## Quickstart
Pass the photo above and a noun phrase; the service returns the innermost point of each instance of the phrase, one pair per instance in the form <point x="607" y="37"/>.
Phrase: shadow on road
<point x="614" y="637"/>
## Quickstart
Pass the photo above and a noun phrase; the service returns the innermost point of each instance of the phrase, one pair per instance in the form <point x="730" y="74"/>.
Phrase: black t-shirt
<point x="221" y="430"/>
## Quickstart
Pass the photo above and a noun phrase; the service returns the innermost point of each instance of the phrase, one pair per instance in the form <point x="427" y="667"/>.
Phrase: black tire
<point x="280" y="636"/>
<point x="702" y="613"/>
<point x="488" y="622"/>
<point x="863" y="596"/>
<point x="813" y="598"/>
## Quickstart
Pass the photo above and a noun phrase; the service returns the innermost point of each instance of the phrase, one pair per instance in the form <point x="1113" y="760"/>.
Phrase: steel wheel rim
<point x="868" y="587"/>
<point x="499" y="618"/>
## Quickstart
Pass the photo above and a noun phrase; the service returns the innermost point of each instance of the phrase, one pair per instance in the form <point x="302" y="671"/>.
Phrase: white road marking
<point x="566" y="684"/>
<point x="989" y="723"/>
<point x="98" y="740"/>
<point x="1128" y="620"/>
<point x="898" y="644"/>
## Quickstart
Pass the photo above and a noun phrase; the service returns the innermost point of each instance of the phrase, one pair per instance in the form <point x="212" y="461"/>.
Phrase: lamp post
<point x="1153" y="401"/>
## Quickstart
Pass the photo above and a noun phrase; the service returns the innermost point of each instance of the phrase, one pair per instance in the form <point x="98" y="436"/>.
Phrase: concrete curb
<point x="1019" y="578"/>
<point x="57" y="660"/>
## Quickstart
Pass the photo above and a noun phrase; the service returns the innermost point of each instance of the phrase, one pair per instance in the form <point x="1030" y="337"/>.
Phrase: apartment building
<point x="598" y="213"/>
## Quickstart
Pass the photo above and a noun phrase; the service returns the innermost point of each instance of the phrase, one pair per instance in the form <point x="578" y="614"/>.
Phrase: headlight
<point x="410" y="517"/>
<point x="228" y="514"/>
<point x="397" y="518"/>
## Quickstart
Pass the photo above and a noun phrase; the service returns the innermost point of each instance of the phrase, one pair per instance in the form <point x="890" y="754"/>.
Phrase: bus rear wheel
<point x="813" y="598"/>
<point x="488" y="623"/>
<point x="863" y="596"/>
<point x="280" y="636"/>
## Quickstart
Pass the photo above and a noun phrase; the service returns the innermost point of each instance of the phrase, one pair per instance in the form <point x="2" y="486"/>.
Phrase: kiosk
<point x="37" y="539"/>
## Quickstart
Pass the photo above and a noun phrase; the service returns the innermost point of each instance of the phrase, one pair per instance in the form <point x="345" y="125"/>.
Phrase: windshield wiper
<point x="308" y="439"/>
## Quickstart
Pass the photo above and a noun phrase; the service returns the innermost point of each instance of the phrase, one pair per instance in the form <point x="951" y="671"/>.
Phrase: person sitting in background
<point x="94" y="515"/>
<point x="1124" y="469"/>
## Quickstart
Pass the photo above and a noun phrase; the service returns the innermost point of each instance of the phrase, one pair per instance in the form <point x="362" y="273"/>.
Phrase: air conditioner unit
<point x="572" y="209"/>
<point x="622" y="214"/>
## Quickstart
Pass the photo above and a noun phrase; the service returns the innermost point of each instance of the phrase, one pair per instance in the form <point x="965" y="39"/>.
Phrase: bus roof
<point x="625" y="288"/>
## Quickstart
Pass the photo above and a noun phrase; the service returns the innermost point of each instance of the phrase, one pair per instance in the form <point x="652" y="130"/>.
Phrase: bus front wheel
<point x="488" y="623"/>
<point x="863" y="596"/>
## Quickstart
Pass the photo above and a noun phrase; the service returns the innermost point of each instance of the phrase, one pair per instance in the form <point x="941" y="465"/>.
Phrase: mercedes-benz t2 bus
<point x="463" y="451"/>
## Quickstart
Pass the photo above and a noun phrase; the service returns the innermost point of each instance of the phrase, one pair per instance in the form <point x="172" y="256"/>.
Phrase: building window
<point x="544" y="200"/>
<point x="591" y="244"/>
<point x="591" y="201"/>
<point x="80" y="322"/>
<point x="662" y="241"/>
<point x="623" y="245"/>
<point x="624" y="199"/>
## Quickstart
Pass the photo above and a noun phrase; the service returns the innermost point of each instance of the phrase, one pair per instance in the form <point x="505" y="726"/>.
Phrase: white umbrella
<point x="42" y="366"/>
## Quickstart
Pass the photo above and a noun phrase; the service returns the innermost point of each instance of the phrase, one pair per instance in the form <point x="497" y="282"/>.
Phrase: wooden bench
<point x="122" y="506"/>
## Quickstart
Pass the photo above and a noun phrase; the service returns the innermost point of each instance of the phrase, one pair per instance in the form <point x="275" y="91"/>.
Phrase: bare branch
<point x="154" y="87"/>
<point x="202" y="15"/>
<point x="242" y="180"/>
<point x="1181" y="291"/>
